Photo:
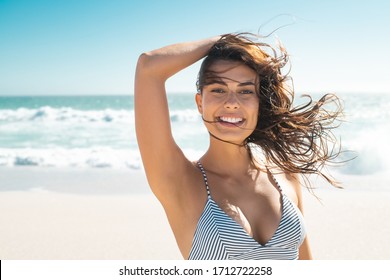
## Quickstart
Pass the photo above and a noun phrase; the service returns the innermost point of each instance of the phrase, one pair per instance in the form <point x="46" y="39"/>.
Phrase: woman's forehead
<point x="231" y="71"/>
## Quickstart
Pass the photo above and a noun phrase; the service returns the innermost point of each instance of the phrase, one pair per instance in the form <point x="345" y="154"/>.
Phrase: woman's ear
<point x="198" y="99"/>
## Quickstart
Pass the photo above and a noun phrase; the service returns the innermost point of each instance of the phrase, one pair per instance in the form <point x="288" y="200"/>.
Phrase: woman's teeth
<point x="230" y="120"/>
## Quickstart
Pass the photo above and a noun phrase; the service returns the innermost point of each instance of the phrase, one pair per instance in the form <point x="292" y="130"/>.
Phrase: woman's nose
<point x="231" y="101"/>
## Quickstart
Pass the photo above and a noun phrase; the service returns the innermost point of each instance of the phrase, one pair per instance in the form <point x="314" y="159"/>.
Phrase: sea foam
<point x="65" y="114"/>
<point x="96" y="157"/>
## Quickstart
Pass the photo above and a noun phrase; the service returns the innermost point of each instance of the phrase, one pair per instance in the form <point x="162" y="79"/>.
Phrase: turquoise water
<point x="82" y="131"/>
<point x="98" y="131"/>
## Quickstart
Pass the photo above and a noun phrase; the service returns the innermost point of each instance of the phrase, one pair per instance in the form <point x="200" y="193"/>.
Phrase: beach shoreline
<point x="53" y="213"/>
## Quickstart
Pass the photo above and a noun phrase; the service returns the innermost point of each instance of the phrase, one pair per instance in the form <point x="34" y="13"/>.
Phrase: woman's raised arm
<point x="162" y="158"/>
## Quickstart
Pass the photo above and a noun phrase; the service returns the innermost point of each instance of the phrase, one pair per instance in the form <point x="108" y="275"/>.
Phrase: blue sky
<point x="91" y="47"/>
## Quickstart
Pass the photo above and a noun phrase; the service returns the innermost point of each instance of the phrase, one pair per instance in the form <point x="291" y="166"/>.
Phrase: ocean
<point x="98" y="131"/>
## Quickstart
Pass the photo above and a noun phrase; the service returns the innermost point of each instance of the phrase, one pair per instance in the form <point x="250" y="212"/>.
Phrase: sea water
<point x="99" y="131"/>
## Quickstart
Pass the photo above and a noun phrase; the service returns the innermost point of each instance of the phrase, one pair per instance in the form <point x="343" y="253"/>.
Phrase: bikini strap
<point x="204" y="178"/>
<point x="276" y="182"/>
<point x="273" y="177"/>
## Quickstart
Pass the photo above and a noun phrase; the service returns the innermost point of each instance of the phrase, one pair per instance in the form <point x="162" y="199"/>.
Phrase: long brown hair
<point x="296" y="139"/>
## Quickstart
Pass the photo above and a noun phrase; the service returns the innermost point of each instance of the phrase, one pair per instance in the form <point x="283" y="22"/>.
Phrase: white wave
<point x="59" y="157"/>
<point x="186" y="115"/>
<point x="369" y="146"/>
<point x="66" y="114"/>
<point x="98" y="157"/>
<point x="375" y="108"/>
<point x="370" y="159"/>
<point x="49" y="114"/>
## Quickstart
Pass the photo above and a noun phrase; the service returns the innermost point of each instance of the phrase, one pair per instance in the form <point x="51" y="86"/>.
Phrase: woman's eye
<point x="247" y="91"/>
<point x="218" y="90"/>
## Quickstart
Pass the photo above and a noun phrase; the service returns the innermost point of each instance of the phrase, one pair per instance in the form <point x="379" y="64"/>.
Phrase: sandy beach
<point x="54" y="213"/>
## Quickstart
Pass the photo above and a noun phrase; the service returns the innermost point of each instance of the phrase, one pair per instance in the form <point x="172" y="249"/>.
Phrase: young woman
<point x="232" y="203"/>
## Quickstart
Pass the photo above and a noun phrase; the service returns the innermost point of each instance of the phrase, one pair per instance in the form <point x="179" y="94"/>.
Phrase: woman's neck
<point x="228" y="158"/>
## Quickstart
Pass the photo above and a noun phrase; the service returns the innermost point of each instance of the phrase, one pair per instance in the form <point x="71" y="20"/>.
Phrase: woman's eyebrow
<point x="220" y="82"/>
<point x="249" y="83"/>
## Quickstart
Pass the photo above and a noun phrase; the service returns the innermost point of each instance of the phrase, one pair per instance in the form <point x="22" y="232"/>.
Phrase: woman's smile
<point x="230" y="121"/>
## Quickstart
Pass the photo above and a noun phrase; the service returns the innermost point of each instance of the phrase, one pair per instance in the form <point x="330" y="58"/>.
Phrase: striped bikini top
<point x="218" y="237"/>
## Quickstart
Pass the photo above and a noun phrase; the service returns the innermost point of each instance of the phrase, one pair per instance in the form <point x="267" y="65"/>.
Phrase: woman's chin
<point x="231" y="138"/>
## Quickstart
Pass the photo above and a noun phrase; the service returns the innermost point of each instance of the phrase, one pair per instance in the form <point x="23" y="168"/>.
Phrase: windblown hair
<point x="296" y="139"/>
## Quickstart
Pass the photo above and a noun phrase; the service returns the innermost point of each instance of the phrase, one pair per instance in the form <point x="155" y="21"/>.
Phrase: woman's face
<point x="229" y="103"/>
